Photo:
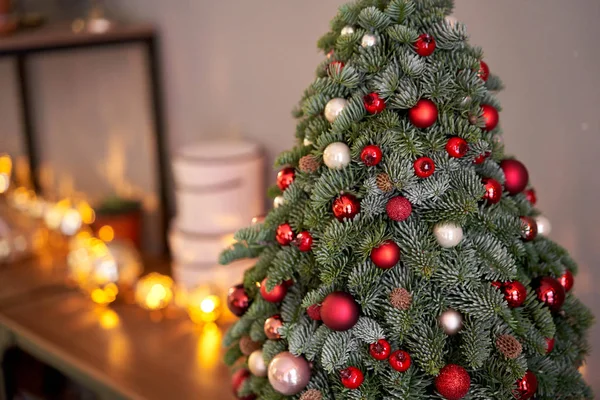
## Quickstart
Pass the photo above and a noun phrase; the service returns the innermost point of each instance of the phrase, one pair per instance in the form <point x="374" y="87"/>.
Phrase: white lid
<point x="227" y="149"/>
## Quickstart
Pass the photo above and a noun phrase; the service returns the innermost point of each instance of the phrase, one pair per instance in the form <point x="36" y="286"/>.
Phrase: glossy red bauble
<point x="549" y="345"/>
<point x="531" y="196"/>
<point x="380" y="350"/>
<point x="371" y="155"/>
<point x="516" y="176"/>
<point x="386" y="255"/>
<point x="481" y="158"/>
<point x="285" y="177"/>
<point x="237" y="380"/>
<point x="346" y="206"/>
<point x="304" y="241"/>
<point x="493" y="190"/>
<point x="314" y="312"/>
<point x="453" y="382"/>
<point x="551" y="292"/>
<point x="484" y="71"/>
<point x="423" y="114"/>
<point x="238" y="300"/>
<point x="398" y="208"/>
<point x="352" y="377"/>
<point x="425" y="45"/>
<point x="284" y="234"/>
<point x="373" y="103"/>
<point x="274" y="296"/>
<point x="514" y="292"/>
<point x="400" y="360"/>
<point x="529" y="229"/>
<point x="339" y="311"/>
<point x="457" y="147"/>
<point x="424" y="167"/>
<point x="567" y="280"/>
<point x="490" y="117"/>
<point x="526" y="386"/>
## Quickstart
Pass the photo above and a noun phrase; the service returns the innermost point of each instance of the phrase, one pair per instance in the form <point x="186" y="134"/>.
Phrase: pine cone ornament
<point x="309" y="164"/>
<point x="509" y="346"/>
<point x="248" y="346"/>
<point x="401" y="299"/>
<point x="311" y="394"/>
<point x="384" y="183"/>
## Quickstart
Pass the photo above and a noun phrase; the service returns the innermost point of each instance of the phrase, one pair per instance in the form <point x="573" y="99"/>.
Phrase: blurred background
<point x="121" y="101"/>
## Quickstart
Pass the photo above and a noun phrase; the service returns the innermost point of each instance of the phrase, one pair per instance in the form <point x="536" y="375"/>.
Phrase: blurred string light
<point x="154" y="291"/>
<point x="5" y="172"/>
<point x="203" y="304"/>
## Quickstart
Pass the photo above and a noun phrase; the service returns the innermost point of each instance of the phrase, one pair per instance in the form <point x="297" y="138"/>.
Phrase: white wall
<point x="236" y="68"/>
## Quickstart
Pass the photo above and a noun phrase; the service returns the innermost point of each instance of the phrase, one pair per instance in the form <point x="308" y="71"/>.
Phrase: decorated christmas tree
<point x="404" y="257"/>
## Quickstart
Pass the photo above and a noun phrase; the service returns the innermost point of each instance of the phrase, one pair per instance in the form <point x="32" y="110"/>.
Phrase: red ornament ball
<point x="424" y="167"/>
<point x="271" y="327"/>
<point x="339" y="311"/>
<point x="490" y="117"/>
<point x="453" y="382"/>
<point x="526" y="386"/>
<point x="373" y="103"/>
<point x="274" y="296"/>
<point x="238" y="300"/>
<point x="371" y="155"/>
<point x="551" y="292"/>
<point x="346" y="206"/>
<point x="386" y="255"/>
<point x="514" y="292"/>
<point x="400" y="360"/>
<point x="481" y="158"/>
<point x="304" y="241"/>
<point x="423" y="114"/>
<point x="352" y="377"/>
<point x="484" y="71"/>
<point x="516" y="176"/>
<point x="457" y="147"/>
<point x="380" y="350"/>
<point x="284" y="234"/>
<point x="398" y="208"/>
<point x="549" y="345"/>
<point x="314" y="312"/>
<point x="493" y="190"/>
<point x="528" y="229"/>
<point x="425" y="45"/>
<point x="285" y="177"/>
<point x="567" y="280"/>
<point x="237" y="381"/>
<point x="531" y="196"/>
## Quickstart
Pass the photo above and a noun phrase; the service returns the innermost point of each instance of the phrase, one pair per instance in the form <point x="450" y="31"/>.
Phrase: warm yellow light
<point x="5" y="164"/>
<point x="53" y="216"/>
<point x="4" y="182"/>
<point x="209" y="342"/>
<point x="203" y="305"/>
<point x="209" y="304"/>
<point x="87" y="213"/>
<point x="71" y="222"/>
<point x="106" y="233"/>
<point x="109" y="319"/>
<point x="154" y="291"/>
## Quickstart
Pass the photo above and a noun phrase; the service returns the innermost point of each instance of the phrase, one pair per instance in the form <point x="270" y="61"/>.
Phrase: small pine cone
<point x="509" y="346"/>
<point x="248" y="346"/>
<point x="311" y="394"/>
<point x="401" y="299"/>
<point x="384" y="183"/>
<point x="309" y="164"/>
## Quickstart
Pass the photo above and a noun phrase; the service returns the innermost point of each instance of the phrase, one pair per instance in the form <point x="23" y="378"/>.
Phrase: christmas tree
<point x="404" y="258"/>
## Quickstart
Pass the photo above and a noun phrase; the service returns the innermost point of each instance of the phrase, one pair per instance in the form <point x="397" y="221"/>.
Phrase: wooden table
<point x="117" y="352"/>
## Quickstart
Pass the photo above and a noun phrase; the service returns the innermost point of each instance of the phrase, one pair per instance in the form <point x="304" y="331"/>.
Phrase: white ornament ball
<point x="334" y="107"/>
<point x="278" y="201"/>
<point x="450" y="20"/>
<point x="451" y="321"/>
<point x="288" y="374"/>
<point x="543" y="225"/>
<point x="256" y="364"/>
<point x="337" y="155"/>
<point x="307" y="142"/>
<point x="347" y="30"/>
<point x="448" y="234"/>
<point x="368" y="40"/>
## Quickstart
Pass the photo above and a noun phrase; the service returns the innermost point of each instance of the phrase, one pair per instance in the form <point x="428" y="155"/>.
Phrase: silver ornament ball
<point x="334" y="107"/>
<point x="347" y="30"/>
<point x="543" y="225"/>
<point x="336" y="155"/>
<point x="278" y="201"/>
<point x="451" y="321"/>
<point x="368" y="40"/>
<point x="288" y="374"/>
<point x="448" y="234"/>
<point x="256" y="364"/>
